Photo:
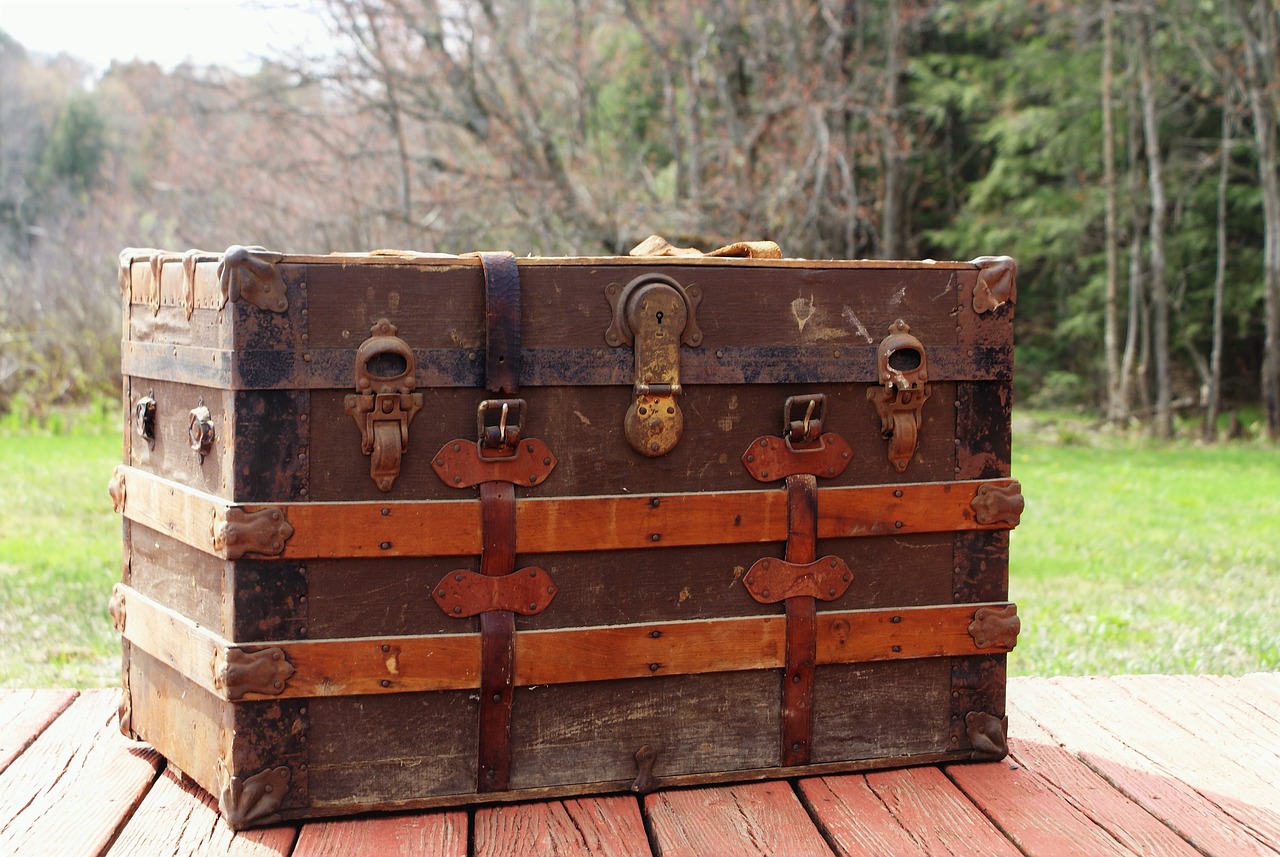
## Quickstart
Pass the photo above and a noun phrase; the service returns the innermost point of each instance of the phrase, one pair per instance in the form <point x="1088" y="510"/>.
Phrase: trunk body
<point x="345" y="618"/>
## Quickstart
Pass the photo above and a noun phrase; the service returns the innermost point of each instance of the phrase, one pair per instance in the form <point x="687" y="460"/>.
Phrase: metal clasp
<point x="200" y="430"/>
<point x="384" y="403"/>
<point x="656" y="315"/>
<point x="807" y="429"/>
<point x="903" y="371"/>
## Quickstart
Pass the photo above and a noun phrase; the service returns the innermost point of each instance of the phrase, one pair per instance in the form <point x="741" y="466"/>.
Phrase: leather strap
<point x="802" y="620"/>
<point x="502" y="323"/>
<point x="497" y="640"/>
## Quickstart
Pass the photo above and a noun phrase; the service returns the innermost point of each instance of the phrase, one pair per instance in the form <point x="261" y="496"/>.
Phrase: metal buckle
<point x="807" y="430"/>
<point x="502" y="434"/>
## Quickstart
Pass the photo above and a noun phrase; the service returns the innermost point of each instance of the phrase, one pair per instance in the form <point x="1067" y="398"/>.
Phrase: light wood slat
<point x="76" y="784"/>
<point x="753" y="820"/>
<point x="545" y="525"/>
<point x="1115" y="753"/>
<point x="179" y="819"/>
<point x="1258" y="720"/>
<point x="1187" y="750"/>
<point x="1079" y="786"/>
<point x="452" y="661"/>
<point x="587" y="827"/>
<point x="1193" y="704"/>
<point x="1258" y="692"/>
<point x="440" y="834"/>
<point x="24" y="714"/>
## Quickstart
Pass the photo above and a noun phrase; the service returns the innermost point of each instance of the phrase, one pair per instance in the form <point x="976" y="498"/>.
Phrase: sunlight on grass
<point x="1136" y="560"/>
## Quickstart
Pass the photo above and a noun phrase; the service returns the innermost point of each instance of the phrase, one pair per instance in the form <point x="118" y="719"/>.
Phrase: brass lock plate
<point x="655" y="315"/>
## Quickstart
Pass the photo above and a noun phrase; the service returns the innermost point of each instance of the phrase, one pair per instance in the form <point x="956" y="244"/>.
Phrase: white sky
<point x="233" y="33"/>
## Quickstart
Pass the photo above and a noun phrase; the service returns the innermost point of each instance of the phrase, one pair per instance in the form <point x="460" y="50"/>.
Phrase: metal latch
<point x="656" y="315"/>
<point x="384" y="403"/>
<point x="903" y="372"/>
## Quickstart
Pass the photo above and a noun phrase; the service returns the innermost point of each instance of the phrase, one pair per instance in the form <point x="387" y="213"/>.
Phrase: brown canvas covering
<point x="411" y="530"/>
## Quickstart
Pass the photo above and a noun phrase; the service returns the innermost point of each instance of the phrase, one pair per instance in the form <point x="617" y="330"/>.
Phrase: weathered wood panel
<point x="80" y="761"/>
<point x="24" y="714"/>
<point x="885" y="710"/>
<point x="440" y="834"/>
<point x="757" y="820"/>
<point x="588" y="827"/>
<point x="177" y="818"/>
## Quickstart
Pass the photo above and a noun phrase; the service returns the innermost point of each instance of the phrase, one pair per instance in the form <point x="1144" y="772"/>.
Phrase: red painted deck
<point x="1137" y="765"/>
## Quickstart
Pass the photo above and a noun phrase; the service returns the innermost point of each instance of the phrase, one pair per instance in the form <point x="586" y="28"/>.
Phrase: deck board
<point x="1079" y="727"/>
<point x="24" y="714"/>
<point x="179" y="819"/>
<point x="1167" y="766"/>
<point x="76" y="784"/>
<point x="587" y="827"/>
<point x="753" y="820"/>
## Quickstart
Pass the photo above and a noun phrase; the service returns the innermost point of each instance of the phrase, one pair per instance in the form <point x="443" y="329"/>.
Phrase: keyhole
<point x="659" y="316"/>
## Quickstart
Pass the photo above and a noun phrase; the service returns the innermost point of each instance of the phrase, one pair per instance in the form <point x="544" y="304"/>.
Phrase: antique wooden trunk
<point x="409" y="530"/>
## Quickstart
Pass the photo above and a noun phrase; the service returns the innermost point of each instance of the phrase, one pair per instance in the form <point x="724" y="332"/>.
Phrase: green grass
<point x="1131" y="556"/>
<point x="59" y="556"/>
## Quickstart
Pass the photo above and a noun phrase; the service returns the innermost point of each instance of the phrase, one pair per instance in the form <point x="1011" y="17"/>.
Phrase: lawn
<point x="1131" y="558"/>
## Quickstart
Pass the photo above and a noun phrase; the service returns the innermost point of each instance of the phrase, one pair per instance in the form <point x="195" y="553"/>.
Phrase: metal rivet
<point x="795" y="679"/>
<point x="457" y="447"/>
<point x="457" y="609"/>
<point x="551" y="590"/>
<point x="277" y="685"/>
<point x="440" y="593"/>
<point x="897" y="525"/>
<point x="764" y="475"/>
<point x="653" y="668"/>
<point x="533" y="478"/>
<point x="385" y="683"/>
<point x="796" y="746"/>
<point x="457" y="479"/>
<point x="533" y="572"/>
<point x="831" y="593"/>
<point x="385" y="546"/>
<point x="764" y="442"/>
<point x="897" y="493"/>
<point x="897" y="648"/>
<point x="896" y="619"/>
<point x="750" y="457"/>
<point x="457" y="578"/>
<point x="386" y="648"/>
<point x="846" y="578"/>
<point x="439" y="462"/>
<point x="386" y="512"/>
<point x="655" y="537"/>
<point x="765" y="564"/>
<point x="533" y="605"/>
<point x="765" y="593"/>
<point x="497" y="697"/>
<point x="546" y="462"/>
<point x="655" y="634"/>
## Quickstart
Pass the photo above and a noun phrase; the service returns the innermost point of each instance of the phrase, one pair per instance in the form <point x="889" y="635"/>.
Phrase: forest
<point x="1125" y="153"/>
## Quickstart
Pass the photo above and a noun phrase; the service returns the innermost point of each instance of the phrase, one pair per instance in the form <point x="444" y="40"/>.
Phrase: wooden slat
<point x="548" y="525"/>
<point x="24" y="714"/>
<point x="76" y="784"/>
<point x="1031" y="812"/>
<point x="179" y="819"/>
<point x="1116" y="755"/>
<point x="1193" y="704"/>
<point x="435" y="833"/>
<point x="452" y="661"/>
<point x="934" y="814"/>
<point x="1246" y="699"/>
<point x="1079" y="786"/>
<point x="1191" y="750"/>
<point x="754" y="820"/>
<point x="590" y="827"/>
<point x="855" y="820"/>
